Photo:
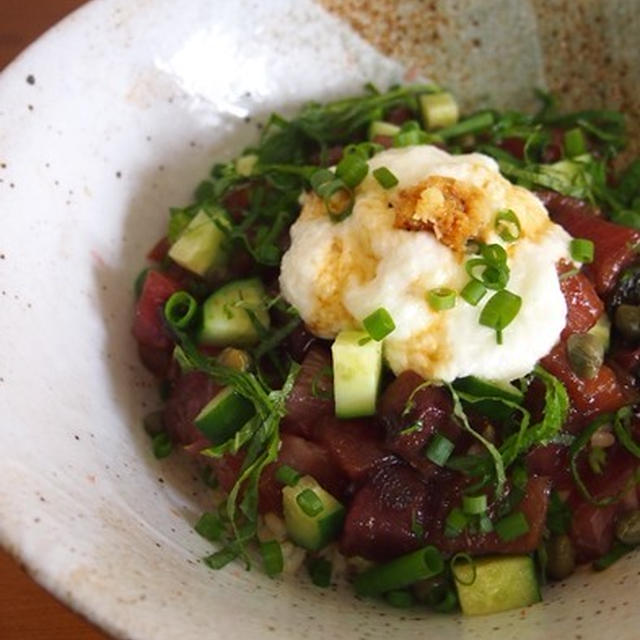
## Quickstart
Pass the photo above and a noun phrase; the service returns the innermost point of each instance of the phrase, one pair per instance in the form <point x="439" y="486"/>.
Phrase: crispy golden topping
<point x="445" y="206"/>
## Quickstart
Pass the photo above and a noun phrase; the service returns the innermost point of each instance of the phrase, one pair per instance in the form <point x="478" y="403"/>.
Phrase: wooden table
<point x="28" y="612"/>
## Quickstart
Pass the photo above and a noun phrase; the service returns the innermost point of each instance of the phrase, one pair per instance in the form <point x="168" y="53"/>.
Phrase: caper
<point x="627" y="321"/>
<point x="237" y="359"/>
<point x="586" y="354"/>
<point x="628" y="527"/>
<point x="561" y="557"/>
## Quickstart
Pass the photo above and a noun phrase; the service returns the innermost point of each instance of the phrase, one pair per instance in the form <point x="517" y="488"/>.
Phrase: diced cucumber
<point x="233" y="314"/>
<point x="602" y="331"/>
<point x="500" y="583"/>
<point x="357" y="365"/>
<point x="311" y="531"/>
<point x="439" y="110"/>
<point x="225" y="414"/>
<point x="203" y="244"/>
<point x="245" y="164"/>
<point x="382" y="128"/>
<point x="488" y="388"/>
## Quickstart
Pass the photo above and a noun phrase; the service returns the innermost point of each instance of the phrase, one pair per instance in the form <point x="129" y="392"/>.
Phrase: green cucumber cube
<point x="311" y="531"/>
<point x="501" y="583"/>
<point x="233" y="315"/>
<point x="224" y="415"/>
<point x="357" y="365"/>
<point x="202" y="245"/>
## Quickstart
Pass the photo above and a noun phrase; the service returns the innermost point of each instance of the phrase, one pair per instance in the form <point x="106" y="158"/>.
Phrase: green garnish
<point x="575" y="144"/>
<point x="162" y="445"/>
<point x="441" y="299"/>
<point x="352" y="170"/>
<point x="581" y="250"/>
<point x="500" y="311"/>
<point x="309" y="502"/>
<point x="379" y="324"/>
<point x="439" y="449"/>
<point x="210" y="526"/>
<point x="385" y="178"/>
<point x="455" y="523"/>
<point x="474" y="505"/>
<point x="512" y="526"/>
<point x="473" y="292"/>
<point x="287" y="475"/>
<point x="272" y="559"/>
<point x="507" y="225"/>
<point x="401" y="572"/>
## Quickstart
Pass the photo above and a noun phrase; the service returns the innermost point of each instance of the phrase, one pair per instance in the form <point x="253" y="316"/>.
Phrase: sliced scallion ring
<point x="582" y="250"/>
<point x="352" y="169"/>
<point x="473" y="292"/>
<point x="385" y="178"/>
<point x="441" y="299"/>
<point x="337" y="198"/>
<point x="507" y="225"/>
<point x="180" y="309"/>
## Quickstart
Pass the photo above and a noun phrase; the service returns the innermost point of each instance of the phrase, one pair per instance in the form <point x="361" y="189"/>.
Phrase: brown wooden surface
<point x="26" y="610"/>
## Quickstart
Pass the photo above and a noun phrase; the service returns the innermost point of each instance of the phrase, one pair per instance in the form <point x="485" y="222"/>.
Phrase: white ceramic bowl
<point x="110" y="118"/>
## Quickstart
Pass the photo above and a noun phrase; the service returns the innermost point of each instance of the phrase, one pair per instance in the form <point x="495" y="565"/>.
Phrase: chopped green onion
<point x="320" y="572"/>
<point x="400" y="572"/>
<point x="337" y="198"/>
<point x="441" y="298"/>
<point x="494" y="254"/>
<point x="162" y="445"/>
<point x="379" y="324"/>
<point x="473" y="292"/>
<point x="309" y="502"/>
<point x="500" y="311"/>
<point x="474" y="505"/>
<point x="385" y="178"/>
<point x="493" y="276"/>
<point x="210" y="527"/>
<point x="473" y="124"/>
<point x="512" y="526"/>
<point x="400" y="598"/>
<point x="439" y="450"/>
<point x="621" y="429"/>
<point x="352" y="170"/>
<point x="455" y="523"/>
<point x="507" y="225"/>
<point x="410" y="138"/>
<point x="485" y="525"/>
<point x="272" y="559"/>
<point x="221" y="558"/>
<point x="180" y="309"/>
<point x="575" y="143"/>
<point x="287" y="475"/>
<point x="320" y="177"/>
<point x="581" y="250"/>
<point x="466" y="560"/>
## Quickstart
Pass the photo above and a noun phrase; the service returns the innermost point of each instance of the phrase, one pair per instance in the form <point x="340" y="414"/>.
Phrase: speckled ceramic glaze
<point x="108" y="120"/>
